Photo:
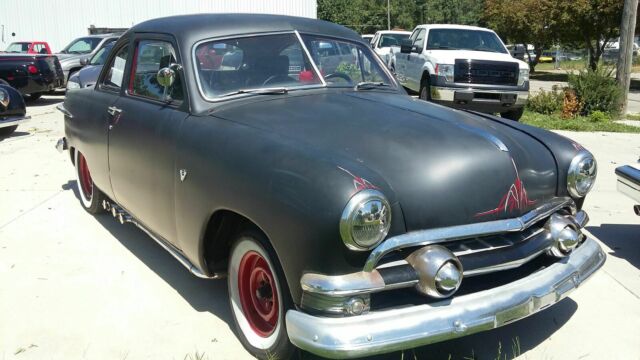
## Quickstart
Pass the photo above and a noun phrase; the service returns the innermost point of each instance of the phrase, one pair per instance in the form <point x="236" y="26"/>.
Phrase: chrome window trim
<point x="440" y="235"/>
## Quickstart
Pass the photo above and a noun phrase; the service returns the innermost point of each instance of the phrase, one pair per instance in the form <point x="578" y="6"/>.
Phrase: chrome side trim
<point x="14" y="120"/>
<point x="440" y="235"/>
<point x="63" y="110"/>
<point x="341" y="285"/>
<point x="400" y="328"/>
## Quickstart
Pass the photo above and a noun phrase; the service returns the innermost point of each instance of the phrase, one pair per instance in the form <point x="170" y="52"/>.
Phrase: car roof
<point x="453" y="26"/>
<point x="192" y="28"/>
<point x="382" y="32"/>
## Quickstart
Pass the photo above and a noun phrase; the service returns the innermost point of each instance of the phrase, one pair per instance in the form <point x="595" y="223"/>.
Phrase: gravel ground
<point x="74" y="286"/>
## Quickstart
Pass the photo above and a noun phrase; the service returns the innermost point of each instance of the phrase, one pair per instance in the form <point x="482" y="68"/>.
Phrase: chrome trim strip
<point x="440" y="235"/>
<point x="313" y="63"/>
<point x="63" y="110"/>
<point x="348" y="284"/>
<point x="628" y="188"/>
<point x="401" y="328"/>
<point x="15" y="120"/>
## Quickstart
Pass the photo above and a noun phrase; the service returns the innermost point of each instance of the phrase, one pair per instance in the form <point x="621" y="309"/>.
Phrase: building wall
<point x="60" y="21"/>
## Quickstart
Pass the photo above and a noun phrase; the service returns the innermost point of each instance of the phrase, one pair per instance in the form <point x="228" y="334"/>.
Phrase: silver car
<point x="75" y="55"/>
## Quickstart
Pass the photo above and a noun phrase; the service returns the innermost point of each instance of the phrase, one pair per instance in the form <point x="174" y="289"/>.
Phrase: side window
<point x="37" y="47"/>
<point x="116" y="68"/>
<point x="151" y="56"/>
<point x="419" y="40"/>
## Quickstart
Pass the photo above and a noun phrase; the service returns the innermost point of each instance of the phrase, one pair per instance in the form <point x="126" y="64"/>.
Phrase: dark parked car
<point x="629" y="184"/>
<point x="32" y="75"/>
<point x="88" y="75"/>
<point x="349" y="218"/>
<point x="75" y="55"/>
<point x="12" y="109"/>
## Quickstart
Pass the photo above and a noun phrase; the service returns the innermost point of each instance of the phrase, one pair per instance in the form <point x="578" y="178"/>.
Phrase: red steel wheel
<point x="90" y="196"/>
<point x="86" y="183"/>
<point x="258" y="293"/>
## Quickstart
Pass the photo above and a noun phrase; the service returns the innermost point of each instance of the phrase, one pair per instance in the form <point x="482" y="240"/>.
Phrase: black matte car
<point x="348" y="218"/>
<point x="12" y="109"/>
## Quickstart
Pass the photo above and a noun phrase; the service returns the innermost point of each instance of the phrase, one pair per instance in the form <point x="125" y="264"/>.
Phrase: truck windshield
<point x="100" y="57"/>
<point x="463" y="39"/>
<point x="82" y="45"/>
<point x="18" y="48"/>
<point x="388" y="40"/>
<point x="278" y="63"/>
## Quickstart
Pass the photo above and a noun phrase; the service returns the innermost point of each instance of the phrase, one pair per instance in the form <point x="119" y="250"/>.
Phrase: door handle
<point x="112" y="110"/>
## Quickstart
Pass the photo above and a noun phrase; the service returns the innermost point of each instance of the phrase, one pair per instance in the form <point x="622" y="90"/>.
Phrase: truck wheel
<point x="90" y="196"/>
<point x="259" y="298"/>
<point x="514" y="114"/>
<point x="6" y="131"/>
<point x="425" y="90"/>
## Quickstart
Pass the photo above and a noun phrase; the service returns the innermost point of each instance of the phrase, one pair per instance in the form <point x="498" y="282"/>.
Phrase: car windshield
<point x="388" y="40"/>
<point x="461" y="39"/>
<point x="279" y="63"/>
<point x="18" y="48"/>
<point x="82" y="45"/>
<point x="343" y="63"/>
<point x="100" y="57"/>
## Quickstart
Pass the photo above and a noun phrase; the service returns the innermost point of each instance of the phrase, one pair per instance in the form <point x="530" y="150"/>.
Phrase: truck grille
<point x="486" y="72"/>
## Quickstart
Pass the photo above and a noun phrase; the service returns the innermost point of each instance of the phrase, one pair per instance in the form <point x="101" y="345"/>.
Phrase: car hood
<point x="88" y="75"/>
<point x="450" y="56"/>
<point x="445" y="167"/>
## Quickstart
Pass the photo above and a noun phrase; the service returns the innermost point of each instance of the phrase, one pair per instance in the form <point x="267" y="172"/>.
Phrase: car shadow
<point x="15" y="134"/>
<point x="202" y="294"/>
<point x="622" y="239"/>
<point x="45" y="100"/>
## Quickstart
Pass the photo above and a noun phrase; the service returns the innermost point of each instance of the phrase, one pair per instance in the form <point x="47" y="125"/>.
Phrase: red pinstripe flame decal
<point x="577" y="146"/>
<point x="358" y="182"/>
<point x="515" y="199"/>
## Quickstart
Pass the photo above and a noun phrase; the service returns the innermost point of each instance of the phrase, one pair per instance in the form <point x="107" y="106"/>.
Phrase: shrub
<point x="570" y="106"/>
<point x="546" y="102"/>
<point x="596" y="90"/>
<point x="599" y="117"/>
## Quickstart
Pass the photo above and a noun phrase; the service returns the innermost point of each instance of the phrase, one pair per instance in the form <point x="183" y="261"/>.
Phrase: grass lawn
<point x="555" y="122"/>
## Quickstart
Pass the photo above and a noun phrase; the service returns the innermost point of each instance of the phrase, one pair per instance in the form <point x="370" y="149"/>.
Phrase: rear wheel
<point x="90" y="196"/>
<point x="3" y="82"/>
<point x="259" y="298"/>
<point x="514" y="114"/>
<point x="6" y="131"/>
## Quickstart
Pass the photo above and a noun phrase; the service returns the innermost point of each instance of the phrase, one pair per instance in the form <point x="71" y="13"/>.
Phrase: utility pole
<point x="625" y="55"/>
<point x="389" y="14"/>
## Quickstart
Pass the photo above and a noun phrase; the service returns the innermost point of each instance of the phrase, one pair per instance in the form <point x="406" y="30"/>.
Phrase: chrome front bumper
<point x="14" y="120"/>
<point x="629" y="182"/>
<point x="401" y="328"/>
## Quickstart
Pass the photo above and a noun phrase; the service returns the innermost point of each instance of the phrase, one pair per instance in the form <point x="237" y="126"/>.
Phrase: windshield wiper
<point x="278" y="90"/>
<point x="366" y="85"/>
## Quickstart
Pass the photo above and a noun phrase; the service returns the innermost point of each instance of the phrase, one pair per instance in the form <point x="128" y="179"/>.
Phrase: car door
<point x="402" y="61"/>
<point x="415" y="61"/>
<point x="142" y="139"/>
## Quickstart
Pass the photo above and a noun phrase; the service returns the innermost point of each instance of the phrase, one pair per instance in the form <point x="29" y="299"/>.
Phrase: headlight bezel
<point x="73" y="87"/>
<point x="5" y="98"/>
<point x="445" y="70"/>
<point x="523" y="76"/>
<point x="349" y="218"/>
<point x="575" y="171"/>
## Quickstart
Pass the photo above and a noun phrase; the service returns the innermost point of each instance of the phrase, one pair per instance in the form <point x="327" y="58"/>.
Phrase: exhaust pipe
<point x="636" y="209"/>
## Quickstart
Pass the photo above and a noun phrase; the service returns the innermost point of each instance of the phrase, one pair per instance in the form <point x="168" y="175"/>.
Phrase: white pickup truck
<point x="463" y="67"/>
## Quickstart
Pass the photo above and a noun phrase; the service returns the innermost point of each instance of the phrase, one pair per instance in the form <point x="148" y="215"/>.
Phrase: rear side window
<point x="151" y="56"/>
<point x="116" y="68"/>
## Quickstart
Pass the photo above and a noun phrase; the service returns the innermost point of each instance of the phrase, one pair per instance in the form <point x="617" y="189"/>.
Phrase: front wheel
<point x="259" y="298"/>
<point x="514" y="114"/>
<point x="425" y="90"/>
<point x="90" y="196"/>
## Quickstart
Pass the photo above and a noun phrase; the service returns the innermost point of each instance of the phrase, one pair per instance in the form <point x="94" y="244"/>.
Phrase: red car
<point x="29" y="47"/>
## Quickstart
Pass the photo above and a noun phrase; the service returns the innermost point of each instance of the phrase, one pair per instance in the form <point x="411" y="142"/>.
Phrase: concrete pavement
<point x="74" y="286"/>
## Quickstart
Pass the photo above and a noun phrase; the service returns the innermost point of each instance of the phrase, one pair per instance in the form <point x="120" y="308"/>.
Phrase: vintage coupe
<point x="12" y="109"/>
<point x="349" y="218"/>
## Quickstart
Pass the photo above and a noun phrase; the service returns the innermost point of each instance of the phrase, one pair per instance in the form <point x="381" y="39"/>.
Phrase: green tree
<point x="465" y="12"/>
<point x="590" y="22"/>
<point x="525" y="22"/>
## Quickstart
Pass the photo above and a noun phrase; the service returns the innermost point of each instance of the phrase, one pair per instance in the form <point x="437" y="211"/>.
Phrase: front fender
<point x="293" y="192"/>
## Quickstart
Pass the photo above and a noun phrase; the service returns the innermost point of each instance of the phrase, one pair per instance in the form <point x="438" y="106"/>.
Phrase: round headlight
<point x="4" y="98"/>
<point x="72" y="85"/>
<point x="365" y="220"/>
<point x="582" y="174"/>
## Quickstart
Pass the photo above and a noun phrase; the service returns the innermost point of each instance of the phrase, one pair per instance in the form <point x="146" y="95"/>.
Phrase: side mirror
<point x="166" y="76"/>
<point x="406" y="46"/>
<point x="84" y="61"/>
